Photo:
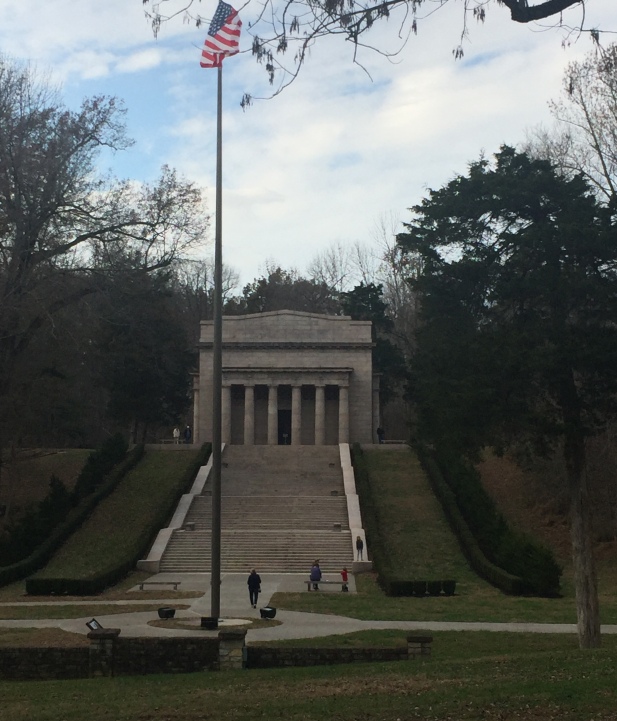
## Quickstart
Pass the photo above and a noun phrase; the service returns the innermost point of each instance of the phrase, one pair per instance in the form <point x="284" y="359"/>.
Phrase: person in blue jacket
<point x="316" y="575"/>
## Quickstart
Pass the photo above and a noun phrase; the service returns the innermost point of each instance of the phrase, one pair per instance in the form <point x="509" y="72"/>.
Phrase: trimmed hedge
<point x="114" y="569"/>
<point x="507" y="560"/>
<point x="397" y="587"/>
<point x="41" y="555"/>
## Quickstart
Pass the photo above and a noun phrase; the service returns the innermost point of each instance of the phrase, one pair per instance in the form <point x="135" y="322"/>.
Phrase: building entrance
<point x="284" y="432"/>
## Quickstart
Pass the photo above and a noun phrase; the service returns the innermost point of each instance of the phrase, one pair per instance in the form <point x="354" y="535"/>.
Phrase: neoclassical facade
<point x="290" y="378"/>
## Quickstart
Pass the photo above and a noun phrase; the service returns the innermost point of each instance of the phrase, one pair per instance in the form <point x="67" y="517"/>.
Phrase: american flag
<point x="223" y="37"/>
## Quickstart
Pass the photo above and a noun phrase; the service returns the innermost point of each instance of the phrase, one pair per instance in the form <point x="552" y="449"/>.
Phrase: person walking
<point x="176" y="435"/>
<point x="316" y="575"/>
<point x="381" y="434"/>
<point x="345" y="577"/>
<point x="254" y="584"/>
<point x="359" y="547"/>
<point x="187" y="434"/>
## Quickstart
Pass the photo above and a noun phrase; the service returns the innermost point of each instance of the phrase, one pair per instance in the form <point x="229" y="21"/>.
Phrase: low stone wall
<point x="139" y="656"/>
<point x="276" y="657"/>
<point x="272" y="657"/>
<point x="109" y="655"/>
<point x="27" y="664"/>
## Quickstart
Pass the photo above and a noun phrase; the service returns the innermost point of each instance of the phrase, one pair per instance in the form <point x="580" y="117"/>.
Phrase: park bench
<point x="175" y="584"/>
<point x="309" y="583"/>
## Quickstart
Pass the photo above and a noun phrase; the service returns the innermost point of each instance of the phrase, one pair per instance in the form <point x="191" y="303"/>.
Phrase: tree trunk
<point x="585" y="578"/>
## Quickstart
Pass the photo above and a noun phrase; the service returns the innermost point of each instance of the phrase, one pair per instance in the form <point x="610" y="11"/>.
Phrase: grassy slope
<point x="119" y="521"/>
<point x="420" y="543"/>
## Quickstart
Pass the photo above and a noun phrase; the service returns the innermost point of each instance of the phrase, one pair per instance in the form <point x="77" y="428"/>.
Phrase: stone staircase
<point x="281" y="508"/>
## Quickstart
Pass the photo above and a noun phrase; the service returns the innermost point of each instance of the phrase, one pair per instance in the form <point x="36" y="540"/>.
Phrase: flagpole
<point x="217" y="365"/>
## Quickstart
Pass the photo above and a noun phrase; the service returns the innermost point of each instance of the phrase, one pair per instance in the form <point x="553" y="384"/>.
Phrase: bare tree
<point x="194" y="285"/>
<point x="584" y="136"/>
<point x="63" y="226"/>
<point x="587" y="117"/>
<point x="396" y="269"/>
<point x="333" y="266"/>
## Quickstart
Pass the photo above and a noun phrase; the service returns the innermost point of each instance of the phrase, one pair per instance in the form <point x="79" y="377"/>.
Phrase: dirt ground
<point x="532" y="504"/>
<point x="25" y="476"/>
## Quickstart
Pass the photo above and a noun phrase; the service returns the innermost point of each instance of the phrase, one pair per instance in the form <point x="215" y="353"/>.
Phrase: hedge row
<point x="114" y="569"/>
<point x="505" y="559"/>
<point x="41" y="555"/>
<point x="393" y="587"/>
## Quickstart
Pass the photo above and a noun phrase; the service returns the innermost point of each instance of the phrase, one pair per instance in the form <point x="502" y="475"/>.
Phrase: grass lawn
<point x="470" y="676"/>
<point x="66" y="610"/>
<point x="417" y="542"/>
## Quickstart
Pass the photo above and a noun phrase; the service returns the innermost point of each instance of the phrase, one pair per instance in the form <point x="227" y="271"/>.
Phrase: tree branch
<point x="521" y="12"/>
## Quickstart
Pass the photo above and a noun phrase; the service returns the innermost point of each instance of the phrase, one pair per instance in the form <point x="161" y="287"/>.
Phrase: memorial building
<point x="290" y="378"/>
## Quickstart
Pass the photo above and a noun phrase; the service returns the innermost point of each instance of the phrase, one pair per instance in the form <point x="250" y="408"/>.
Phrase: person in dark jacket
<point x="254" y="584"/>
<point x="316" y="575"/>
<point x="359" y="547"/>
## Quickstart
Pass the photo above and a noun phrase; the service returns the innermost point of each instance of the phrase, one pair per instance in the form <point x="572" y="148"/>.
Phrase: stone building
<point x="290" y="378"/>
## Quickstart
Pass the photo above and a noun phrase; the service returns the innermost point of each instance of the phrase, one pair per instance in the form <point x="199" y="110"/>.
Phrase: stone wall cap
<point x="232" y="634"/>
<point x="297" y="313"/>
<point x="101" y="634"/>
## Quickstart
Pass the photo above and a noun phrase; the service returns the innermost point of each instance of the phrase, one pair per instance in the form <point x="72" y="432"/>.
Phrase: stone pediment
<point x="289" y="327"/>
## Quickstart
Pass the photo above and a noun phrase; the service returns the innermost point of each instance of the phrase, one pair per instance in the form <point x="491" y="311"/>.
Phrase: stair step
<point x="281" y="507"/>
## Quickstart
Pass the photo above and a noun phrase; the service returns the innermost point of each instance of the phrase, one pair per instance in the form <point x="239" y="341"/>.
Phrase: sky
<point x="342" y="148"/>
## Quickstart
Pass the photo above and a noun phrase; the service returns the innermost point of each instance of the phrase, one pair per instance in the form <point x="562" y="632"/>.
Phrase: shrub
<point x="418" y="588"/>
<point x="98" y="465"/>
<point x="434" y="588"/>
<point x="449" y="587"/>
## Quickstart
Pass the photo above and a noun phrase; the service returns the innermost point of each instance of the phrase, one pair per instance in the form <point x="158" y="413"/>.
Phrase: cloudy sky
<point x="338" y="150"/>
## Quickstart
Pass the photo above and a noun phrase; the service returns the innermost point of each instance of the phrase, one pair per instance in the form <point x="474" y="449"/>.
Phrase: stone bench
<point x="175" y="584"/>
<point x="309" y="583"/>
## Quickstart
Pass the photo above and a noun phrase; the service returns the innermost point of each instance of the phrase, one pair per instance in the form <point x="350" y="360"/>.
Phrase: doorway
<point x="284" y="429"/>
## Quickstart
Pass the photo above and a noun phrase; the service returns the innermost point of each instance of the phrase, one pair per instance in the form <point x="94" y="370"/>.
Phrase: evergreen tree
<point x="518" y="337"/>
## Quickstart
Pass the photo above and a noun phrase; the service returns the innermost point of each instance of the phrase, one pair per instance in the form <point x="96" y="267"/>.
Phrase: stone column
<point x="196" y="420"/>
<point x="226" y="414"/>
<point x="273" y="418"/>
<point x="249" y="415"/>
<point x="101" y="652"/>
<point x="296" y="415"/>
<point x="343" y="414"/>
<point x="231" y="649"/>
<point x="320" y="415"/>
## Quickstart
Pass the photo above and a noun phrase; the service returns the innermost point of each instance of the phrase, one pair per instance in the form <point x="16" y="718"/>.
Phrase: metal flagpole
<point x="217" y="366"/>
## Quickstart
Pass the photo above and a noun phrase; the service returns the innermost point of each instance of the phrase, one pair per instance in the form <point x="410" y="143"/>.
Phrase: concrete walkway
<point x="235" y="605"/>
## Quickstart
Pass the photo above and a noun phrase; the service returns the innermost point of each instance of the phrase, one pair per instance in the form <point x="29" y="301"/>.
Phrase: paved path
<point x="235" y="604"/>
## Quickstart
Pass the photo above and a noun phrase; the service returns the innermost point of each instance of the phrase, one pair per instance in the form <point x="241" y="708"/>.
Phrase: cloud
<point x="324" y="160"/>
